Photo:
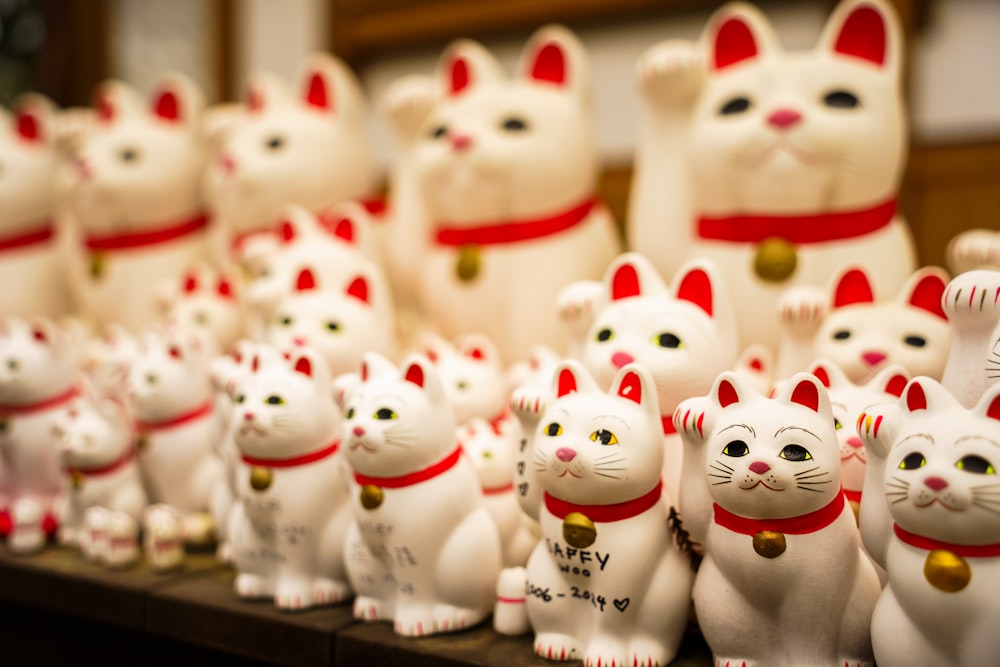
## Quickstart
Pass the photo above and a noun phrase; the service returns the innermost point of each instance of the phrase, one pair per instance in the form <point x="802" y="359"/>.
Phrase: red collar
<point x="668" y="425"/>
<point x="498" y="490"/>
<point x="295" y="461"/>
<point x="797" y="229"/>
<point x="44" y="232"/>
<point x="605" y="513"/>
<point x="442" y="466"/>
<point x="796" y="525"/>
<point x="53" y="402"/>
<point x="105" y="469"/>
<point x="513" y="231"/>
<point x="854" y="496"/>
<point x="963" y="550"/>
<point x="147" y="237"/>
<point x="202" y="410"/>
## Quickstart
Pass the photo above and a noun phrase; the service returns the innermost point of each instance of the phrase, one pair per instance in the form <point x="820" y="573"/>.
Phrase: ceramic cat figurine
<point x="778" y="166"/>
<point x="137" y="200"/>
<point x="422" y="550"/>
<point x="508" y="173"/>
<point x="32" y="252"/>
<point x="862" y="334"/>
<point x="287" y="528"/>
<point x="311" y="148"/>
<point x="606" y="584"/>
<point x="933" y="525"/>
<point x="206" y="301"/>
<point x="762" y="493"/>
<point x="973" y="310"/>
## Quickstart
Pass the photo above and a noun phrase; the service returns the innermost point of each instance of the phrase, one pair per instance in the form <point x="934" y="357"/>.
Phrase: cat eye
<point x="841" y="99"/>
<point x="201" y="317"/>
<point x="461" y="385"/>
<point x="128" y="154"/>
<point x="604" y="335"/>
<point x="285" y="321"/>
<point x="736" y="449"/>
<point x="975" y="464"/>
<point x="668" y="340"/>
<point x="332" y="326"/>
<point x="604" y="436"/>
<point x="274" y="143"/>
<point x="274" y="399"/>
<point x="843" y="334"/>
<point x="735" y="105"/>
<point x="514" y="124"/>
<point x="241" y="398"/>
<point x="12" y="364"/>
<point x="350" y="413"/>
<point x="385" y="413"/>
<point x="913" y="461"/>
<point x="915" y="341"/>
<point x="554" y="429"/>
<point x="439" y="131"/>
<point x="836" y="424"/>
<point x="795" y="453"/>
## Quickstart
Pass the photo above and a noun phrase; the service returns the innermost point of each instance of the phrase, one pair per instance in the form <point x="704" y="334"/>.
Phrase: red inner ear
<point x="727" y="394"/>
<point x="915" y="398"/>
<point x="358" y="289"/>
<point x="460" y="75"/>
<point x="39" y="335"/>
<point x="993" y="411"/>
<point x="927" y="294"/>
<point x="625" y="283"/>
<point x="567" y="383"/>
<point x="255" y="364"/>
<point x="696" y="287"/>
<point x="225" y="289"/>
<point x="549" y="64"/>
<point x="895" y="385"/>
<point x="175" y="352"/>
<point x="105" y="109"/>
<point x="304" y="366"/>
<point x="190" y="283"/>
<point x="364" y="371"/>
<point x="733" y="43"/>
<point x="167" y="106"/>
<point x="863" y="35"/>
<point x="805" y="393"/>
<point x="415" y="374"/>
<point x="255" y="99"/>
<point x="853" y="288"/>
<point x="287" y="231"/>
<point x="316" y="93"/>
<point x="28" y="126"/>
<point x="341" y="227"/>
<point x="475" y="353"/>
<point x="631" y="387"/>
<point x="306" y="281"/>
<point x="822" y="376"/>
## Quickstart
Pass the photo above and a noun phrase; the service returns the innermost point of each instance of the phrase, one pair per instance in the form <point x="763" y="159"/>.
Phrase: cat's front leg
<point x="671" y="73"/>
<point x="974" y="249"/>
<point x="576" y="306"/>
<point x="972" y="306"/>
<point x="694" y="500"/>
<point x="801" y="310"/>
<point x="528" y="404"/>
<point x="876" y="431"/>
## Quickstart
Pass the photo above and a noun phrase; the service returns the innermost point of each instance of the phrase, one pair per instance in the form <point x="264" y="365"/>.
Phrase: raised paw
<point x="974" y="249"/>
<point x="671" y="72"/>
<point x="801" y="310"/>
<point x="577" y="303"/>
<point x="972" y="299"/>
<point x="408" y="101"/>
<point x="528" y="402"/>
<point x="553" y="646"/>
<point x="689" y="419"/>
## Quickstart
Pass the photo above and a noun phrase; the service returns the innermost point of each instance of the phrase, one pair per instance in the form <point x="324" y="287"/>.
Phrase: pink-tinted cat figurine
<point x="508" y="172"/>
<point x="287" y="527"/>
<point x="930" y="517"/>
<point x="784" y="580"/>
<point x="422" y="550"/>
<point x="778" y="166"/>
<point x="606" y="584"/>
<point x="137" y="200"/>
<point x="863" y="334"/>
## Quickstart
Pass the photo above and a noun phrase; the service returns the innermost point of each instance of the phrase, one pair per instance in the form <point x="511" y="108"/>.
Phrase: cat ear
<point x="916" y="398"/>
<point x="224" y="288"/>
<point x="806" y="393"/>
<point x="305" y="281"/>
<point x="419" y="371"/>
<point x="737" y="33"/>
<point x="33" y="116"/>
<point x="852" y="287"/>
<point x="829" y="374"/>
<point x="633" y="382"/>
<point x="989" y="403"/>
<point x="358" y="288"/>
<point x="867" y="30"/>
<point x="728" y="390"/>
<point x="466" y="64"/>
<point x="190" y="283"/>
<point x="694" y="284"/>
<point x="554" y="56"/>
<point x="328" y="86"/>
<point x="303" y="365"/>
<point x="891" y="380"/>
<point x="478" y="347"/>
<point x="925" y="288"/>
<point x="571" y="376"/>
<point x="821" y="374"/>
<point x="565" y="382"/>
<point x="42" y="331"/>
<point x="631" y="274"/>
<point x="113" y="99"/>
<point x="177" y="100"/>
<point x="265" y="91"/>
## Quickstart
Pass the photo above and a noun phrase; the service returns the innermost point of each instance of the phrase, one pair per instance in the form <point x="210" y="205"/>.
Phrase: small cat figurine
<point x="287" y="527"/>
<point x="606" y="584"/>
<point x="863" y="335"/>
<point x="972" y="306"/>
<point x="206" y="301"/>
<point x="422" y="549"/>
<point x="784" y="580"/>
<point x="778" y="166"/>
<point x="930" y="517"/>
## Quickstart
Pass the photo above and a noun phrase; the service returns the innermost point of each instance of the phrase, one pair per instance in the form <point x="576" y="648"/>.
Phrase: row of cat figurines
<point x="493" y="178"/>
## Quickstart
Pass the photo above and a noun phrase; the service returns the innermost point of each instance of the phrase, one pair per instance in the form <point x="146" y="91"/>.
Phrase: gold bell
<point x="371" y="496"/>
<point x="467" y="265"/>
<point x="775" y="260"/>
<point x="769" y="543"/>
<point x="261" y="478"/>
<point x="76" y="479"/>
<point x="96" y="265"/>
<point x="142" y="441"/>
<point x="578" y="530"/>
<point x="947" y="571"/>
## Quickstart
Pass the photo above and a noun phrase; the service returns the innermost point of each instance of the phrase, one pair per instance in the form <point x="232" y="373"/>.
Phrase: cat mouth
<point x="760" y="483"/>
<point x="361" y="444"/>
<point x="252" y="427"/>
<point x="567" y="471"/>
<point x="783" y="147"/>
<point x="942" y="503"/>
<point x="854" y="455"/>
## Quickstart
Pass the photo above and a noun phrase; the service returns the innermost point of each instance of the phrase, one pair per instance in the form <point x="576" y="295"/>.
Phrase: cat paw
<point x="647" y="653"/>
<point x="972" y="299"/>
<point x="554" y="646"/>
<point x="367" y="609"/>
<point x="528" y="402"/>
<point x="671" y="72"/>
<point x="604" y="652"/>
<point x="854" y="662"/>
<point x="735" y="662"/>
<point x="801" y="310"/>
<point x="408" y="101"/>
<point x="974" y="249"/>
<point x="689" y="418"/>
<point x="293" y="595"/>
<point x="452" y="619"/>
<point x="330" y="591"/>
<point x="414" y="622"/>
<point x="577" y="303"/>
<point x="248" y="586"/>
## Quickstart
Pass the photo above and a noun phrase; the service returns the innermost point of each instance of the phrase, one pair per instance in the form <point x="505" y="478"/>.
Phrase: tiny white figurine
<point x="422" y="550"/>
<point x="287" y="528"/>
<point x="606" y="584"/>
<point x="208" y="302"/>
<point x="972" y="306"/>
<point x="508" y="175"/>
<point x="784" y="580"/>
<point x="861" y="333"/>
<point x="930" y="517"/>
<point x="778" y="166"/>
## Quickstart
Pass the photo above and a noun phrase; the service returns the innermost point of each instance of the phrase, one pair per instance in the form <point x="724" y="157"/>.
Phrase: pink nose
<point x="83" y="168"/>
<point x="299" y="341"/>
<point x="565" y="454"/>
<point x="935" y="483"/>
<point x="784" y="118"/>
<point x="227" y="163"/>
<point x="461" y="141"/>
<point x="248" y="416"/>
<point x="855" y="442"/>
<point x="358" y="431"/>
<point x="619" y="359"/>
<point x="759" y="467"/>
<point x="873" y="358"/>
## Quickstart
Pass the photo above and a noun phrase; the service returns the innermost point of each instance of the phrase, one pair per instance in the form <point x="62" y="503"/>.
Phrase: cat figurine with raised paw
<point x="422" y="550"/>
<point x="972" y="306"/>
<point x="206" y="301"/>
<point x="784" y="580"/>
<point x="606" y="584"/>
<point x="930" y="517"/>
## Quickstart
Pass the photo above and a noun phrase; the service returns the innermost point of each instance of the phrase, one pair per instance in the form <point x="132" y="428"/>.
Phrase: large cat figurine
<point x="286" y="530"/>
<point x="861" y="333"/>
<point x="972" y="304"/>
<point x="784" y="580"/>
<point x="606" y="584"/>
<point x="930" y="517"/>
<point x="779" y="166"/>
<point x="508" y="173"/>
<point x="422" y="549"/>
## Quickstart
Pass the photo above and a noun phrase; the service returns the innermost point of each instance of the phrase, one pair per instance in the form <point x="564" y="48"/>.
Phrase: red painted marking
<point x="734" y="43"/>
<point x="549" y="64"/>
<point x="625" y="283"/>
<point x="863" y="35"/>
<point x="696" y="288"/>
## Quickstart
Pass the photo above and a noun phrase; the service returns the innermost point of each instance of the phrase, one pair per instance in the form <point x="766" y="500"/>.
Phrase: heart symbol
<point x="622" y="605"/>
